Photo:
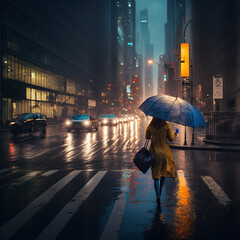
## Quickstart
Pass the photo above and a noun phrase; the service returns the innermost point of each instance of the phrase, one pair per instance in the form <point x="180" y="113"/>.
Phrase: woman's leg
<point x="157" y="187"/>
<point x="161" y="184"/>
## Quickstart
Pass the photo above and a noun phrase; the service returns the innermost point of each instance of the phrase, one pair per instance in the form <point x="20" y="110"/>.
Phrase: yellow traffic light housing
<point x="184" y="60"/>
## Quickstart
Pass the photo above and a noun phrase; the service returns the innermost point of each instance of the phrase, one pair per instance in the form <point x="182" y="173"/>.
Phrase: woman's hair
<point x="157" y="122"/>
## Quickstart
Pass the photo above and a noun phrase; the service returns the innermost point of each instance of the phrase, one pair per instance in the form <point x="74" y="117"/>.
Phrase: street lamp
<point x="150" y="61"/>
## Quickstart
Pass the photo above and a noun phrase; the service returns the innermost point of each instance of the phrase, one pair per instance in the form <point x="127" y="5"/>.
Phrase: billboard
<point x="91" y="103"/>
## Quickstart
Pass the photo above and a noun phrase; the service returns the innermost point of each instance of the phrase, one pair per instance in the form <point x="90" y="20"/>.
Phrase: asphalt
<point x="199" y="143"/>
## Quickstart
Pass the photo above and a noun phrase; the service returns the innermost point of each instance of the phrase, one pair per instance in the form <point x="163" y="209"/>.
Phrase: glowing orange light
<point x="184" y="59"/>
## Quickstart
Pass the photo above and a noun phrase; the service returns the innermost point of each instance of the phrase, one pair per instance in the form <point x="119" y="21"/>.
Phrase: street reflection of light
<point x="87" y="145"/>
<point x="115" y="133"/>
<point x="184" y="212"/>
<point x="131" y="126"/>
<point x="129" y="183"/>
<point x="12" y="151"/>
<point x="136" y="129"/>
<point x="105" y="130"/>
<point x="69" y="148"/>
<point x="125" y="132"/>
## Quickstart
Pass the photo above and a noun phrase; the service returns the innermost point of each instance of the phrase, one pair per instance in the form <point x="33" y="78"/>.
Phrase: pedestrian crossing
<point x="123" y="184"/>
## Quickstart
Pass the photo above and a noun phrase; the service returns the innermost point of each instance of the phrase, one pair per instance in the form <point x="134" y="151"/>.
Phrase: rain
<point x="119" y="119"/>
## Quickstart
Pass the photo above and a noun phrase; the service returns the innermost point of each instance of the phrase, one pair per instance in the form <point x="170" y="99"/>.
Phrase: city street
<point x="68" y="185"/>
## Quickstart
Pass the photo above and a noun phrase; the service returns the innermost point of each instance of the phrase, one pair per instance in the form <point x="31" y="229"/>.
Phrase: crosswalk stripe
<point x="25" y="178"/>
<point x="181" y="177"/>
<point x="217" y="190"/>
<point x="111" y="230"/>
<point x="4" y="170"/>
<point x="58" y="223"/>
<point x="9" y="174"/>
<point x="13" y="225"/>
<point x="49" y="173"/>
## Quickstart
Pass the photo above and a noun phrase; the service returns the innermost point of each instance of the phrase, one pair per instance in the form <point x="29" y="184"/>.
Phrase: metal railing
<point x="222" y="125"/>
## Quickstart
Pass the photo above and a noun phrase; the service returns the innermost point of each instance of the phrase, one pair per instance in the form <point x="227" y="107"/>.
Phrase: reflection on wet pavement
<point x="184" y="213"/>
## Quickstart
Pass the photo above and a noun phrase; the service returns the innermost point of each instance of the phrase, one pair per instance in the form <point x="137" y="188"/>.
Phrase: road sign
<point x="217" y="87"/>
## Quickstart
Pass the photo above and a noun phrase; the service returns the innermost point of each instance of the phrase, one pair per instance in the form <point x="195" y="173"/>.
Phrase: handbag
<point x="143" y="158"/>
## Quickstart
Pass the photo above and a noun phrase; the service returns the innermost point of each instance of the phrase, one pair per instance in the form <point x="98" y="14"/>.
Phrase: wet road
<point x="85" y="186"/>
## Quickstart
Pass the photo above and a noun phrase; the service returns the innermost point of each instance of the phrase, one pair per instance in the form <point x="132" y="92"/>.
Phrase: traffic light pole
<point x="190" y="83"/>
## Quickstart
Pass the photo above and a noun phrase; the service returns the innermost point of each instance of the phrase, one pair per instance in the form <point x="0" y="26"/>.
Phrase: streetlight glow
<point x="150" y="61"/>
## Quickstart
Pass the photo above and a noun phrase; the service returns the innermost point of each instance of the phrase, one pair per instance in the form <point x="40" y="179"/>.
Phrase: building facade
<point x="212" y="31"/>
<point x="50" y="61"/>
<point x="122" y="55"/>
<point x="147" y="52"/>
<point x="173" y="38"/>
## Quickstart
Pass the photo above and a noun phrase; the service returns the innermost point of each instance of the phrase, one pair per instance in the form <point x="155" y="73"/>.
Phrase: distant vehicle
<point x="82" y="122"/>
<point x="108" y="119"/>
<point x="123" y="119"/>
<point x="130" y="117"/>
<point x="28" y="123"/>
<point x="127" y="118"/>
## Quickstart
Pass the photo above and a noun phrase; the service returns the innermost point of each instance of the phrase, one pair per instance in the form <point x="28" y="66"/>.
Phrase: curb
<point x="222" y="143"/>
<point x="222" y="149"/>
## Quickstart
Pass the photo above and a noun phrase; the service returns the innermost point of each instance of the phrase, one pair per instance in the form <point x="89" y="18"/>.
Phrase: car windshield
<point x="23" y="116"/>
<point x="108" y="116"/>
<point x="80" y="117"/>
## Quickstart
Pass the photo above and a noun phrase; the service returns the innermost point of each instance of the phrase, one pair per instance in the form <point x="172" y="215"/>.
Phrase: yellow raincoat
<point x="163" y="165"/>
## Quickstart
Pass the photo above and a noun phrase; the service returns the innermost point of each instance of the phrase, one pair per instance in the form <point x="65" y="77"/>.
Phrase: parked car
<point x="108" y="119"/>
<point x="28" y="123"/>
<point x="82" y="122"/>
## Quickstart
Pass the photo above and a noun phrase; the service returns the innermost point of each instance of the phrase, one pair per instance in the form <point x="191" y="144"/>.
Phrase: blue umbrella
<point x="173" y="109"/>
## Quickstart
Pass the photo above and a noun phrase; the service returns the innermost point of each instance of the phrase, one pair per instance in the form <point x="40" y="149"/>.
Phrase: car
<point x="130" y="117"/>
<point x="82" y="122"/>
<point x="123" y="119"/>
<point x="28" y="123"/>
<point x="126" y="118"/>
<point x="108" y="119"/>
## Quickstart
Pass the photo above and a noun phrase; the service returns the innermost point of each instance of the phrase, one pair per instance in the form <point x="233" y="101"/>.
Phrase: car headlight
<point x="105" y="121"/>
<point x="87" y="122"/>
<point x="68" y="123"/>
<point x="114" y="121"/>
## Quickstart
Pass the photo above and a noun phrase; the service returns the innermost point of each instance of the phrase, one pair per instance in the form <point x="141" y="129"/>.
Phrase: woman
<point x="159" y="131"/>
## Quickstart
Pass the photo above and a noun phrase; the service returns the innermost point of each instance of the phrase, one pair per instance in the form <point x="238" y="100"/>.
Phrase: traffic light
<point x="184" y="60"/>
<point x="165" y="77"/>
<point x="52" y="98"/>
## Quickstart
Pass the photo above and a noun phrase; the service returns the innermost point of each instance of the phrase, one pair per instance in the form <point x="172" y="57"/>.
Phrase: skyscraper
<point x="146" y="49"/>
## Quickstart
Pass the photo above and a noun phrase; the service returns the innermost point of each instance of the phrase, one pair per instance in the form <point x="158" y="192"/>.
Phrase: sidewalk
<point x="200" y="143"/>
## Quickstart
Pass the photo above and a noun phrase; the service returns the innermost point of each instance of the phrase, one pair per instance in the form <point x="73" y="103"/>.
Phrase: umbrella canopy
<point x="173" y="109"/>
